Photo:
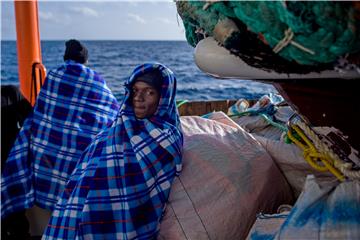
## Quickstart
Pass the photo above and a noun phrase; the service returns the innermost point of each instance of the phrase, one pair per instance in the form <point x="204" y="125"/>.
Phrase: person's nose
<point x="138" y="96"/>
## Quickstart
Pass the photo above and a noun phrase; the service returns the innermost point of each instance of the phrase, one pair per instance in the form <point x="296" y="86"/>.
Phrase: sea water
<point x="115" y="60"/>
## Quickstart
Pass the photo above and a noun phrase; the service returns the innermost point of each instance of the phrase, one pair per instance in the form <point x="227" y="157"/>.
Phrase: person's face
<point x="145" y="99"/>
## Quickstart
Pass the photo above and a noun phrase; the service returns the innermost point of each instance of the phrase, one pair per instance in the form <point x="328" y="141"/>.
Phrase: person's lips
<point x="139" y="108"/>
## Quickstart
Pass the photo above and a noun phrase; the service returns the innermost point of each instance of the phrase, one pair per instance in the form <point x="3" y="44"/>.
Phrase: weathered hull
<point x="328" y="102"/>
<point x="199" y="108"/>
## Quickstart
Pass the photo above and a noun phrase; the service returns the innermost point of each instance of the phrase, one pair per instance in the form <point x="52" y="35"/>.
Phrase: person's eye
<point x="150" y="92"/>
<point x="134" y="90"/>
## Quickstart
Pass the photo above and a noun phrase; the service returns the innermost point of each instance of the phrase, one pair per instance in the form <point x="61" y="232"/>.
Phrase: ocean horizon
<point x="115" y="60"/>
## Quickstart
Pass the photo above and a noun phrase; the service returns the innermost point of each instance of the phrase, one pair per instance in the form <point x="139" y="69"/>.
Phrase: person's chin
<point x="140" y="114"/>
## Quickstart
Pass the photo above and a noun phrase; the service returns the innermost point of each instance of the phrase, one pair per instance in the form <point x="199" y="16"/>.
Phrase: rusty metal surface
<point x="333" y="103"/>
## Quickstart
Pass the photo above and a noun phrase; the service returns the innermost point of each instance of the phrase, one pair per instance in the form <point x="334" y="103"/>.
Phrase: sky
<point x="100" y="20"/>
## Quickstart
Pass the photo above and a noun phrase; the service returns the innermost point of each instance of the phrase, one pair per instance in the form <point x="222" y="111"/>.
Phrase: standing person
<point x="14" y="110"/>
<point x="122" y="182"/>
<point x="73" y="106"/>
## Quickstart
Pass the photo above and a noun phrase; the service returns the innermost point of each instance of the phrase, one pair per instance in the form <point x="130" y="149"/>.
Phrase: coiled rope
<point x="288" y="36"/>
<point x="316" y="32"/>
<point x="316" y="152"/>
<point x="344" y="167"/>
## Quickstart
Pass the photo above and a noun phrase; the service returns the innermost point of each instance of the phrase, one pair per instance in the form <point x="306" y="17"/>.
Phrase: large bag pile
<point x="227" y="178"/>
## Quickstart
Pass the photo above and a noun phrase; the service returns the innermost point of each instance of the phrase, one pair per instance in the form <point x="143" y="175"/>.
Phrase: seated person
<point x="120" y="186"/>
<point x="73" y="106"/>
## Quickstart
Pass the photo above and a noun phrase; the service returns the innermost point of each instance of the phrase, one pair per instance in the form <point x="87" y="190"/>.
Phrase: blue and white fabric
<point x="267" y="104"/>
<point x="122" y="182"/>
<point x="73" y="106"/>
<point x="324" y="210"/>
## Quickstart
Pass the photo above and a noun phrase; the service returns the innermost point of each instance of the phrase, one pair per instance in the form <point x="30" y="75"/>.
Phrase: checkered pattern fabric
<point x="122" y="182"/>
<point x="73" y="106"/>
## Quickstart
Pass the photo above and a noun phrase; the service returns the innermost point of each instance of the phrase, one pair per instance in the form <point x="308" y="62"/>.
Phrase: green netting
<point x="322" y="30"/>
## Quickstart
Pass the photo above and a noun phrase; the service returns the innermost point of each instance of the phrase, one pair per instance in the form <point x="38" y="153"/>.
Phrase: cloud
<point x="46" y="15"/>
<point x="137" y="18"/>
<point x="165" y="20"/>
<point x="133" y="3"/>
<point x="51" y="17"/>
<point x="86" y="11"/>
<point x="66" y="19"/>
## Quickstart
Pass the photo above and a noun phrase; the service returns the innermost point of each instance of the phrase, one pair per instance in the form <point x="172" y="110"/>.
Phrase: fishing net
<point x="285" y="36"/>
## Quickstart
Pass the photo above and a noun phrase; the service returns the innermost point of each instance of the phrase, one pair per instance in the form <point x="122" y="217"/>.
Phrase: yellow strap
<point x="318" y="161"/>
<point x="346" y="168"/>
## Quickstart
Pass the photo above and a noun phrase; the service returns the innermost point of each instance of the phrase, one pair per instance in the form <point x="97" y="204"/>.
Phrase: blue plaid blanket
<point x="73" y="106"/>
<point x="122" y="182"/>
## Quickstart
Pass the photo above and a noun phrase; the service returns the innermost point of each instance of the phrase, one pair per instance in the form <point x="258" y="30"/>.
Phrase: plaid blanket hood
<point x="121" y="184"/>
<point x="73" y="106"/>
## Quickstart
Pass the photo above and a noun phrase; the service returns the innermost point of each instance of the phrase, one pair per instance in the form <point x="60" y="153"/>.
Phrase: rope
<point x="312" y="156"/>
<point x="288" y="39"/>
<point x="263" y="115"/>
<point x="313" y="40"/>
<point x="344" y="167"/>
<point x="209" y="3"/>
<point x="315" y="150"/>
<point x="181" y="103"/>
<point x="275" y="124"/>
